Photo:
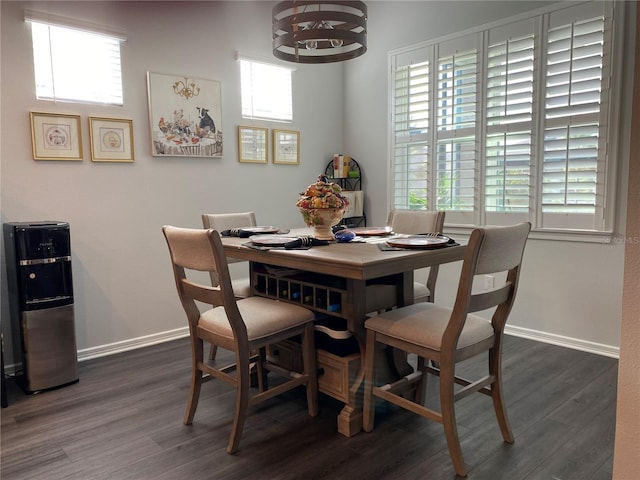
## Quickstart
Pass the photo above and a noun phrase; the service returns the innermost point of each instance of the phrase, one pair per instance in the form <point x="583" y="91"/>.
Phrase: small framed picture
<point x="56" y="136"/>
<point x="286" y="147"/>
<point x="111" y="139"/>
<point x="253" y="144"/>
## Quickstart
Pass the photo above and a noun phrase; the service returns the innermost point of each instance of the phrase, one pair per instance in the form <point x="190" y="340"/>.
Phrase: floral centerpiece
<point x="322" y="206"/>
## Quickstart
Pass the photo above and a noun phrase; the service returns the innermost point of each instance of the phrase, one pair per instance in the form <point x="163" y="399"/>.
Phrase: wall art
<point x="286" y="147"/>
<point x="56" y="136"/>
<point x="185" y="116"/>
<point x="111" y="139"/>
<point x="253" y="144"/>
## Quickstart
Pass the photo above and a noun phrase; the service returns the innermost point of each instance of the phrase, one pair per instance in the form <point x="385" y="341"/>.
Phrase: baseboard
<point x="132" y="344"/>
<point x="569" y="342"/>
<point x="148" y="340"/>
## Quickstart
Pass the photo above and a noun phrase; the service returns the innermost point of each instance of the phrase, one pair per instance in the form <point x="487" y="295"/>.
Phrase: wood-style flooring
<point x="123" y="420"/>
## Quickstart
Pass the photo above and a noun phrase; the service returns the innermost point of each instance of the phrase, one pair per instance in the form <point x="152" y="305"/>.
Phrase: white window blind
<point x="511" y="125"/>
<point x="75" y="64"/>
<point x="266" y="91"/>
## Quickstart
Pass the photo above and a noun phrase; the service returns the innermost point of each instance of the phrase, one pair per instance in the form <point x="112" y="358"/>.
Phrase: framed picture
<point x="185" y="116"/>
<point x="286" y="147"/>
<point x="56" y="136"/>
<point x="111" y="139"/>
<point x="253" y="144"/>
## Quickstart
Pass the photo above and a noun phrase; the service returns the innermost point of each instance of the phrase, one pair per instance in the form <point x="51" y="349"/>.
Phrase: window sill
<point x="463" y="231"/>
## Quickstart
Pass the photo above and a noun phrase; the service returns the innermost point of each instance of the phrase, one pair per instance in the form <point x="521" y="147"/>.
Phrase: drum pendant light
<point x="319" y="31"/>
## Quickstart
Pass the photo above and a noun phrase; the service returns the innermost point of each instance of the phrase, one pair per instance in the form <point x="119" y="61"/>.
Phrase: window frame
<point x="113" y="42"/>
<point x="609" y="123"/>
<point x="248" y="110"/>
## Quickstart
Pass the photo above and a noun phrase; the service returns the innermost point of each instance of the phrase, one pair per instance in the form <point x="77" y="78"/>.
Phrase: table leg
<point x="350" y="417"/>
<point x="350" y="420"/>
<point x="392" y="366"/>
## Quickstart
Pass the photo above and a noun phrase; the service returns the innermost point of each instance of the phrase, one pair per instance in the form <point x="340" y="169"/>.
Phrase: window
<point x="75" y="64"/>
<point x="509" y="123"/>
<point x="266" y="91"/>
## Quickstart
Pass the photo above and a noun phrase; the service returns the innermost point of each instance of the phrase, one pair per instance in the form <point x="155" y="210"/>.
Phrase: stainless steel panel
<point x="49" y="347"/>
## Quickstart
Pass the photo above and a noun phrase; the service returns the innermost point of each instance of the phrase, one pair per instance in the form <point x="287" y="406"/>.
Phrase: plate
<point x="271" y="240"/>
<point x="419" y="241"/>
<point x="371" y="231"/>
<point x="260" y="229"/>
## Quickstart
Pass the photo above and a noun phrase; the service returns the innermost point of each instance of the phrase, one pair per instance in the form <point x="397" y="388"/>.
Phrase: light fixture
<point x="319" y="31"/>
<point x="186" y="89"/>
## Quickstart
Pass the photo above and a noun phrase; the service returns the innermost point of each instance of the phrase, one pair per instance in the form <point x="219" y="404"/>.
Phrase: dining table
<point x="343" y="276"/>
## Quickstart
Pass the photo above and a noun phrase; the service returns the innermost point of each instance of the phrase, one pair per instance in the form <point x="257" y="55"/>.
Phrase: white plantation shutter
<point x="573" y="178"/>
<point x="411" y="130"/>
<point x="510" y="123"/>
<point x="457" y="88"/>
<point x="507" y="174"/>
<point x="457" y="107"/>
<point x="570" y="172"/>
<point x="509" y="116"/>
<point x="456" y="172"/>
<point x="411" y="176"/>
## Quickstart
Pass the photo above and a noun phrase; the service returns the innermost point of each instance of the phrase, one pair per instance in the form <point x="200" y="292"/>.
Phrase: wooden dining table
<point x="342" y="271"/>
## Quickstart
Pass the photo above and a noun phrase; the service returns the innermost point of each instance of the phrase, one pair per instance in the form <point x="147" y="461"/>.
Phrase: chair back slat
<point x="202" y="293"/>
<point x="485" y="300"/>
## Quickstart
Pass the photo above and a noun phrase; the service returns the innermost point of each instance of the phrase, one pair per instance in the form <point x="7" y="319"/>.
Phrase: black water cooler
<point x="40" y="287"/>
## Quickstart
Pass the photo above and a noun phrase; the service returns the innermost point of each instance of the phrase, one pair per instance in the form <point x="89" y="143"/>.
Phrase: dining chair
<point x="382" y="296"/>
<point x="225" y="221"/>
<point x="448" y="336"/>
<point x="245" y="327"/>
<point x="414" y="222"/>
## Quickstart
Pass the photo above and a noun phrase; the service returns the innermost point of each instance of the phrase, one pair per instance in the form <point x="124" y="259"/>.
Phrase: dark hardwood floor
<point x="123" y="420"/>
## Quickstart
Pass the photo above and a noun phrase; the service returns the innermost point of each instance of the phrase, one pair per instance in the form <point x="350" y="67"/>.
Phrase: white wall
<point x="570" y="292"/>
<point x="123" y="284"/>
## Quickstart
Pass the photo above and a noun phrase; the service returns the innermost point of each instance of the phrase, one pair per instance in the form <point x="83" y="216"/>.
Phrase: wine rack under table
<point x="320" y="293"/>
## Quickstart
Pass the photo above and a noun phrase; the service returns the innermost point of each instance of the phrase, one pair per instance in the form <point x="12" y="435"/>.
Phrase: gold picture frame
<point x="253" y="144"/>
<point x="286" y="147"/>
<point x="56" y="136"/>
<point x="111" y="139"/>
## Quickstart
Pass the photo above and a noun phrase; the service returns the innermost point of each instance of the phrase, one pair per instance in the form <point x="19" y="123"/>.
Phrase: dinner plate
<point x="371" y="231"/>
<point x="271" y="240"/>
<point x="419" y="241"/>
<point x="260" y="229"/>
